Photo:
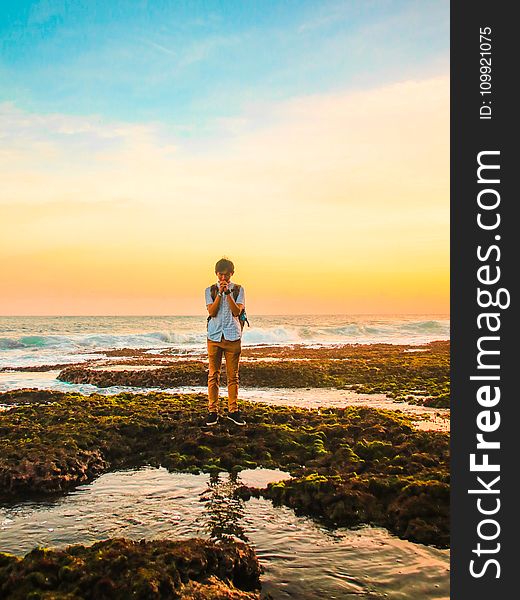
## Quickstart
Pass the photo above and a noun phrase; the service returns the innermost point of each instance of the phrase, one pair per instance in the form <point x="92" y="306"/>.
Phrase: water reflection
<point x="300" y="559"/>
<point x="223" y="512"/>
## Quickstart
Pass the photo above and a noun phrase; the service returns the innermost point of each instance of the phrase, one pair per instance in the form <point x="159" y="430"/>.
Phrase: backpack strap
<point x="242" y="317"/>
<point x="213" y="291"/>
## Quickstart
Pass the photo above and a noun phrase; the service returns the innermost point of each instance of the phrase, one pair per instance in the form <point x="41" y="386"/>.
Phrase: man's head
<point x="224" y="269"/>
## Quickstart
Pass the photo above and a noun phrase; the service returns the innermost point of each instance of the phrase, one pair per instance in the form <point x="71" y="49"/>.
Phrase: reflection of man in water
<point x="223" y="511"/>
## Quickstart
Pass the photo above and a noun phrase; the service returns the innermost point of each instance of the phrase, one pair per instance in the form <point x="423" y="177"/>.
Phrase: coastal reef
<point x="120" y="568"/>
<point x="419" y="375"/>
<point x="348" y="465"/>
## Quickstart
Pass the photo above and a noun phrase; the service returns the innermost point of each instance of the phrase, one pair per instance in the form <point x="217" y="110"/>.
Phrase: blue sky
<point x="186" y="64"/>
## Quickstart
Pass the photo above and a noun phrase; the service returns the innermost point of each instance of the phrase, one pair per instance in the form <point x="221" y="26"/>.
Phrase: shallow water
<point x="426" y="418"/>
<point x="301" y="559"/>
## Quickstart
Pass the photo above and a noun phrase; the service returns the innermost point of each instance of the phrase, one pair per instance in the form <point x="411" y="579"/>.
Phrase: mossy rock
<point x="119" y="568"/>
<point x="335" y="455"/>
<point x="372" y="368"/>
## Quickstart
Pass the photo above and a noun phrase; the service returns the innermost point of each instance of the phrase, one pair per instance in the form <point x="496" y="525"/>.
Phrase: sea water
<point x="35" y="341"/>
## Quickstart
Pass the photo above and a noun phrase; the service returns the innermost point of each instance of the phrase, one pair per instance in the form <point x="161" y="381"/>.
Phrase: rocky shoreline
<point x="349" y="466"/>
<point x="417" y="375"/>
<point x="119" y="568"/>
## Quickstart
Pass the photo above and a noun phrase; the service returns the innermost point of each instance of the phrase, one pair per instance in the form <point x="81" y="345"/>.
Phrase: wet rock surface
<point x="120" y="568"/>
<point x="349" y="466"/>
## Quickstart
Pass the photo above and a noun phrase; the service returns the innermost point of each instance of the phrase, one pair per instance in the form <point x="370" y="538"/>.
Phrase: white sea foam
<point x="34" y="341"/>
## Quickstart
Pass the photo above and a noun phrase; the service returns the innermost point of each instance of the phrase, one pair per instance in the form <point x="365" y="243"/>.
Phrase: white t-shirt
<point x="224" y="323"/>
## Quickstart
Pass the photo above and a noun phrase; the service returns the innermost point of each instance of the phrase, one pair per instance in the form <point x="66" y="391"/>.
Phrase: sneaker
<point x="236" y="418"/>
<point x="212" y="418"/>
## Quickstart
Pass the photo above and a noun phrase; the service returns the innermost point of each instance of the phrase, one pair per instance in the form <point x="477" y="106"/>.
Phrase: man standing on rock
<point x="225" y="302"/>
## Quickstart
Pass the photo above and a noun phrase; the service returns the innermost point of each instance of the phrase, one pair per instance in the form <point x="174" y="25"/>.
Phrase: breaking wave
<point x="46" y="340"/>
<point x="349" y="333"/>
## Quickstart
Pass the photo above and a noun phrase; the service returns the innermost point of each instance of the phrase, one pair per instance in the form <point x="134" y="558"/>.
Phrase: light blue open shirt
<point x="225" y="324"/>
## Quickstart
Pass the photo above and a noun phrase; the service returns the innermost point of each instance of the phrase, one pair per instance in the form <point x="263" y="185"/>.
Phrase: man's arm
<point x="236" y="309"/>
<point x="214" y="306"/>
<point x="239" y="305"/>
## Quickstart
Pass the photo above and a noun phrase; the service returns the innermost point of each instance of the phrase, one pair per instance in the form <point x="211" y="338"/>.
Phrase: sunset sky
<point x="141" y="141"/>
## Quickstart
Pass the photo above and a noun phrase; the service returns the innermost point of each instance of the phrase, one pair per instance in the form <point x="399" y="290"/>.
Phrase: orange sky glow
<point x="331" y="203"/>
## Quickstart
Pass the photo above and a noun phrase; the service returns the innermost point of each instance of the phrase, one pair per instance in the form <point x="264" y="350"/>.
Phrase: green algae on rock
<point x="420" y="377"/>
<point x="120" y="568"/>
<point x="415" y="510"/>
<point x="351" y="465"/>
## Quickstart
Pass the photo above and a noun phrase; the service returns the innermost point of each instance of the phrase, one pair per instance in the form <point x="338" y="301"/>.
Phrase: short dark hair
<point x="223" y="265"/>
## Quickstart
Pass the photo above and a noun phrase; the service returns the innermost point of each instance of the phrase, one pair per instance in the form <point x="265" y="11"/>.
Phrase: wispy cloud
<point x="159" y="47"/>
<point x="369" y="148"/>
<point x="190" y="63"/>
<point x="328" y="15"/>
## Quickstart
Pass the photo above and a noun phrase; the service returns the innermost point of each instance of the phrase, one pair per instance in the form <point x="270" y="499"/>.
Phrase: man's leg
<point x="232" y="352"/>
<point x="215" y="362"/>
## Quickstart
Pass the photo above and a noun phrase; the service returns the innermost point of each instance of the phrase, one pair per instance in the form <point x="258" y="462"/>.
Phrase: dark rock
<point x="119" y="568"/>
